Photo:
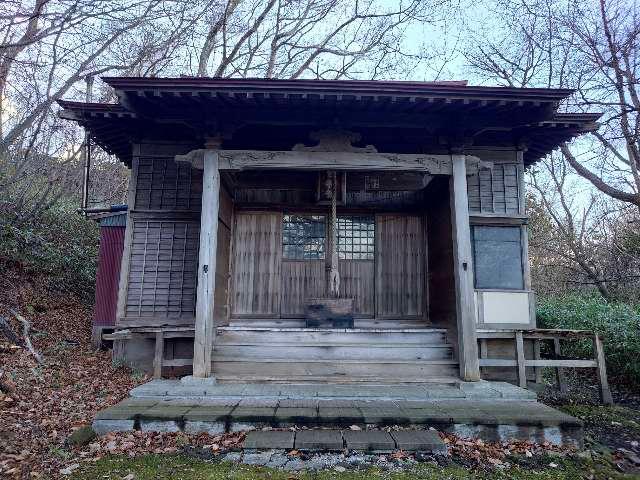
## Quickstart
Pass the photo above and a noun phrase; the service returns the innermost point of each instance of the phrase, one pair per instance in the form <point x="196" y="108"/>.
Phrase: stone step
<point x="489" y="419"/>
<point x="329" y="351"/>
<point x="376" y="441"/>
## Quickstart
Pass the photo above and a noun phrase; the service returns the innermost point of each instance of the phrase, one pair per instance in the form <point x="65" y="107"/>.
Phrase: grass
<point x="624" y="417"/>
<point x="180" y="467"/>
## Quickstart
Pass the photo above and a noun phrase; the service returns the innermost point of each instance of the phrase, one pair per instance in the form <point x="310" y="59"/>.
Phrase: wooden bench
<point x="539" y="335"/>
<point x="159" y="334"/>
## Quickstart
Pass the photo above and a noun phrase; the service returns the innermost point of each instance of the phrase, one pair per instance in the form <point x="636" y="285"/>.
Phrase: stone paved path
<point x="379" y="441"/>
<point x="489" y="420"/>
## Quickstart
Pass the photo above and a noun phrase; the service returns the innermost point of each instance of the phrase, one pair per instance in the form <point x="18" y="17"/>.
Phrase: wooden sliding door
<point x="257" y="264"/>
<point x="400" y="266"/>
<point x="280" y="261"/>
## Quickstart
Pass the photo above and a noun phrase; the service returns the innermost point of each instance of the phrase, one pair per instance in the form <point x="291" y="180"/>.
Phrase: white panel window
<point x="505" y="307"/>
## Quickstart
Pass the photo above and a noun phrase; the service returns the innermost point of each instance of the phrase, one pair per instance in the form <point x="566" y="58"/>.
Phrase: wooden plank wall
<point x="265" y="285"/>
<point x="496" y="190"/>
<point x="400" y="269"/>
<point x="160" y="262"/>
<point x="301" y="280"/>
<point x="257" y="264"/>
<point x="163" y="184"/>
<point x="357" y="282"/>
<point x="223" y="253"/>
<point x="163" y="269"/>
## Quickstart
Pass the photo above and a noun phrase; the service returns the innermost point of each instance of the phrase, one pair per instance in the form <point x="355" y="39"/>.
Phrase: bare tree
<point x="47" y="49"/>
<point x="588" y="46"/>
<point x="571" y="242"/>
<point x="317" y="38"/>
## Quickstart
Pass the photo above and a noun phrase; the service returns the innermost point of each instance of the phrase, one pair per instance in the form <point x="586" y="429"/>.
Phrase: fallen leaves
<point x="41" y="405"/>
<point x="496" y="453"/>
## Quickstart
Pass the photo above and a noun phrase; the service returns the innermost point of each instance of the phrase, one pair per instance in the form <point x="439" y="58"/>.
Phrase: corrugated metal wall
<point x="108" y="275"/>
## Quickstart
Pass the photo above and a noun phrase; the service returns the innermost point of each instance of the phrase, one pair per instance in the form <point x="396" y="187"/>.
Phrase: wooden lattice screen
<point x="164" y="184"/>
<point x="163" y="269"/>
<point x="495" y="190"/>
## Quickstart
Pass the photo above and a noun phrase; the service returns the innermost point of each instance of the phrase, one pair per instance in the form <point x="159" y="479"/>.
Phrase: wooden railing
<point x="558" y="362"/>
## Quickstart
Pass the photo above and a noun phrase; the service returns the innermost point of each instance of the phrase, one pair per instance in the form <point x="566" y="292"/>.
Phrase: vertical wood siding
<point x="257" y="262"/>
<point x="301" y="280"/>
<point x="495" y="190"/>
<point x="163" y="269"/>
<point x="223" y="254"/>
<point x="357" y="282"/>
<point x="400" y="270"/>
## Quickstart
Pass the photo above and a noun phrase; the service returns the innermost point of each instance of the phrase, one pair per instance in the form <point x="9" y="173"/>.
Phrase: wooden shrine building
<point x="330" y="231"/>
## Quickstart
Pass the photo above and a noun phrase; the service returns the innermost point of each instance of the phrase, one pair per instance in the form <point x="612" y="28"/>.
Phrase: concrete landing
<point x="443" y="390"/>
<point x="490" y="420"/>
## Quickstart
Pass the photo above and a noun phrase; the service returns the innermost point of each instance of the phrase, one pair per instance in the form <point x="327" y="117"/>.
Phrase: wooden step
<point x="277" y="369"/>
<point x="336" y="379"/>
<point x="300" y="323"/>
<point x="332" y="351"/>
<point x="264" y="335"/>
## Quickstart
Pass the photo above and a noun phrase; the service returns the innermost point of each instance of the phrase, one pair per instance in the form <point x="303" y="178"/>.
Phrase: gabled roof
<point x="394" y="113"/>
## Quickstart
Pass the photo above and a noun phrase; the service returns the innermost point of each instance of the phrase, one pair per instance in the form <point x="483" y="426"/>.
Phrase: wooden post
<point x="159" y="355"/>
<point x="484" y="350"/>
<point x="562" y="384"/>
<point x="536" y="356"/>
<point x="522" y="370"/>
<point x="463" y="271"/>
<point x="204" y="333"/>
<point x="605" y="392"/>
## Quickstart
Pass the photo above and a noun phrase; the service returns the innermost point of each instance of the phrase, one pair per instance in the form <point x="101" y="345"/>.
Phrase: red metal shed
<point x="112" y="228"/>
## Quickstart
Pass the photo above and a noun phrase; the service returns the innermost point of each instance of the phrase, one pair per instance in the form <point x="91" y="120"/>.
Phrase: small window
<point x="303" y="237"/>
<point x="497" y="259"/>
<point x="356" y="238"/>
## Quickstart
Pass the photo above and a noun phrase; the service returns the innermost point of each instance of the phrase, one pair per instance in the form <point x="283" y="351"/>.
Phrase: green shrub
<point x="59" y="243"/>
<point x="617" y="323"/>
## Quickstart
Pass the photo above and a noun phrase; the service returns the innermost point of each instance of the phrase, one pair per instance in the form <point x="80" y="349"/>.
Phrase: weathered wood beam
<point x="306" y="160"/>
<point x="562" y="383"/>
<point x="605" y="392"/>
<point x="463" y="271"/>
<point x="158" y="355"/>
<point x="204" y="334"/>
<point x="522" y="371"/>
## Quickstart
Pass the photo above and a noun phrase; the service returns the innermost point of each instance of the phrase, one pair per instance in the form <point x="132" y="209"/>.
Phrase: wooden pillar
<point x="159" y="355"/>
<point x="204" y="334"/>
<point x="463" y="271"/>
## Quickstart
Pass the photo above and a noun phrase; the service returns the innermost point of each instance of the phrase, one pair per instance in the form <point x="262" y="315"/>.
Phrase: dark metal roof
<point x="416" y="116"/>
<point x="348" y="87"/>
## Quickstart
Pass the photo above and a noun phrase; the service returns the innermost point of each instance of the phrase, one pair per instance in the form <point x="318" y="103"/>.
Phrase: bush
<point x="59" y="243"/>
<point x="617" y="323"/>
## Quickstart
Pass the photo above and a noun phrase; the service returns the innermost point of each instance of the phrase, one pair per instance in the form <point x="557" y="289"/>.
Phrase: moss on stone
<point x="82" y="436"/>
